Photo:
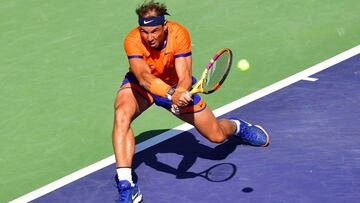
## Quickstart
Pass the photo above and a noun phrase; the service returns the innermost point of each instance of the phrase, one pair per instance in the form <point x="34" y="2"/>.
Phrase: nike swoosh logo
<point x="133" y="196"/>
<point x="147" y="22"/>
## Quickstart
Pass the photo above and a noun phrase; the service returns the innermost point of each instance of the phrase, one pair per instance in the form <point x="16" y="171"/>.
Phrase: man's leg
<point x="219" y="130"/>
<point x="205" y="122"/>
<point x="128" y="105"/>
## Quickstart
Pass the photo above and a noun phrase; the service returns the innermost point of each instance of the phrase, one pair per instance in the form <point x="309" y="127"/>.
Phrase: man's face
<point x="154" y="36"/>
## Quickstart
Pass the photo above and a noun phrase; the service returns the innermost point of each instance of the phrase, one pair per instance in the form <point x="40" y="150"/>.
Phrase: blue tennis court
<point x="314" y="154"/>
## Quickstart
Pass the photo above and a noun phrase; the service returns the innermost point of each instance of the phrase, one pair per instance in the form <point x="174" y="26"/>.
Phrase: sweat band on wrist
<point x="152" y="21"/>
<point x="159" y="87"/>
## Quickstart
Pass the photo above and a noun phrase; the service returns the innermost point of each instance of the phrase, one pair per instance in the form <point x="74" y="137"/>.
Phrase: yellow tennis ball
<point x="243" y="65"/>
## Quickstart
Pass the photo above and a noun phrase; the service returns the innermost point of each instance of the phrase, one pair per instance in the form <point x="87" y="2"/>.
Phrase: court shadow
<point x="190" y="148"/>
<point x="148" y="135"/>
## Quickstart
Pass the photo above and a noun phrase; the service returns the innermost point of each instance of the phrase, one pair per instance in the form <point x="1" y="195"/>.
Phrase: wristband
<point x="159" y="87"/>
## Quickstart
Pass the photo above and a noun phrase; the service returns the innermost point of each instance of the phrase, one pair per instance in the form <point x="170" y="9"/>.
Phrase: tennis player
<point x="159" y="55"/>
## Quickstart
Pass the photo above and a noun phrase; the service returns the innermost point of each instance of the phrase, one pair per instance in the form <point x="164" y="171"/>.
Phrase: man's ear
<point x="165" y="25"/>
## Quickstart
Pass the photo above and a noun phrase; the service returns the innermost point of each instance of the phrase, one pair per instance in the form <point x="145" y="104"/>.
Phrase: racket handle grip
<point x="175" y="109"/>
<point x="191" y="92"/>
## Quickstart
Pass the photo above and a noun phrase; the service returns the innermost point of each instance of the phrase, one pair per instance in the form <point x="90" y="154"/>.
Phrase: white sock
<point x="237" y="126"/>
<point x="125" y="174"/>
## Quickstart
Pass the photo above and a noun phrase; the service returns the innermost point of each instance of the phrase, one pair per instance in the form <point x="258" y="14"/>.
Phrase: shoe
<point x="253" y="134"/>
<point x="128" y="193"/>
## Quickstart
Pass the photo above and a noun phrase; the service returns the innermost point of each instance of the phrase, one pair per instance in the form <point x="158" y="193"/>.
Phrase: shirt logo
<point x="147" y="22"/>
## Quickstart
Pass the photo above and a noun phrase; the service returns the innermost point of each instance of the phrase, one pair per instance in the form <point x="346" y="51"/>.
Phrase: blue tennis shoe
<point x="252" y="134"/>
<point x="128" y="193"/>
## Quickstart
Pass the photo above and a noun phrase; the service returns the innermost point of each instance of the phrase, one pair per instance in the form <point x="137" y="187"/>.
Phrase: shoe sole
<point x="267" y="137"/>
<point x="138" y="199"/>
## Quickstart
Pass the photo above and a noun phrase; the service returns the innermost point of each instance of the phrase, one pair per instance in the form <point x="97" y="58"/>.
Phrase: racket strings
<point x="217" y="71"/>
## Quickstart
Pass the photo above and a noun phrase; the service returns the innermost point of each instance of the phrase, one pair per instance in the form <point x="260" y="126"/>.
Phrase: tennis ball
<point x="243" y="65"/>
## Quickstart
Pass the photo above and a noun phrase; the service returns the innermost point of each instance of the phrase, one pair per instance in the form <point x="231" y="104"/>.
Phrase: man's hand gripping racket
<point x="213" y="76"/>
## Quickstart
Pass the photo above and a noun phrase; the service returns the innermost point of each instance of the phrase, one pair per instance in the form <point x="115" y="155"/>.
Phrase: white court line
<point x="184" y="127"/>
<point x="311" y="79"/>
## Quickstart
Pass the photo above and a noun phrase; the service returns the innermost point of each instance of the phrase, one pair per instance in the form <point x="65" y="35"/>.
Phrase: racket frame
<point x="198" y="87"/>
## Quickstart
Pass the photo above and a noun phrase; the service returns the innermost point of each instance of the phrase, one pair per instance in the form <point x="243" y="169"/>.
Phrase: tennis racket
<point x="219" y="172"/>
<point x="213" y="76"/>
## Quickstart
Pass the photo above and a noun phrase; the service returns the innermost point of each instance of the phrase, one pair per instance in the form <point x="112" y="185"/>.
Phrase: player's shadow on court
<point x="186" y="145"/>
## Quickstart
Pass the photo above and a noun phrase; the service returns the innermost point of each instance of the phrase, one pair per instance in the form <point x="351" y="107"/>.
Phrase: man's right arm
<point x="141" y="69"/>
<point x="142" y="72"/>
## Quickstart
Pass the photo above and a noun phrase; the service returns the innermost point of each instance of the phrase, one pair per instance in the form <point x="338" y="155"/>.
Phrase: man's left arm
<point x="183" y="62"/>
<point x="183" y="69"/>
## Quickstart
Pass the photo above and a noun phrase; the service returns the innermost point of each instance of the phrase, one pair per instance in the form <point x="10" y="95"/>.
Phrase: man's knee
<point x="217" y="137"/>
<point x="122" y="117"/>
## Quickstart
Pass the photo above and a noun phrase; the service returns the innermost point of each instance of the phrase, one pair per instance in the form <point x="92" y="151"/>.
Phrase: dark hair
<point x="144" y="9"/>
